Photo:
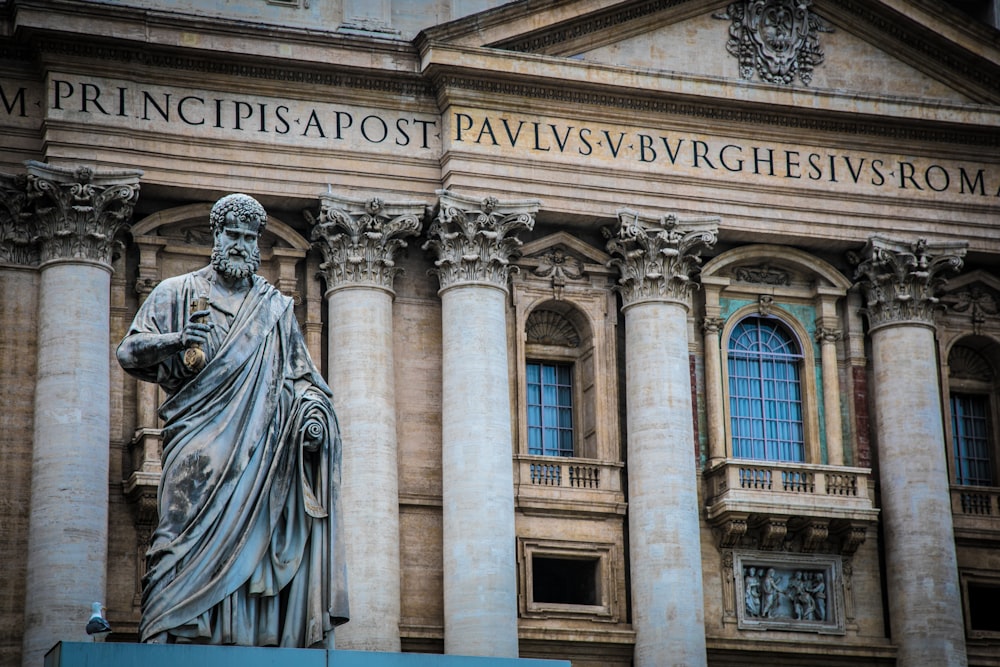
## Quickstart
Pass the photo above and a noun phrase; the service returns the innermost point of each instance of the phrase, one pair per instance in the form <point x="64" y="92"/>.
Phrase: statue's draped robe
<point x="246" y="550"/>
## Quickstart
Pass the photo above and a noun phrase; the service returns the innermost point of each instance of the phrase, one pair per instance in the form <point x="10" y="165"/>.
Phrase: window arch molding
<point x="971" y="405"/>
<point x="807" y="375"/>
<point x="811" y="297"/>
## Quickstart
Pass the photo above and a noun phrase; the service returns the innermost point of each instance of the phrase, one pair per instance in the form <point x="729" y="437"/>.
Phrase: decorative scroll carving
<point x="16" y="242"/>
<point x="657" y="257"/>
<point x="763" y="275"/>
<point x="473" y="239"/>
<point x="548" y="327"/>
<point x="966" y="363"/>
<point x="979" y="302"/>
<point x="712" y="325"/>
<point x="827" y="335"/>
<point x="779" y="39"/>
<point x="560" y="267"/>
<point x="359" y="238"/>
<point x="900" y="280"/>
<point x="851" y="536"/>
<point x="78" y="211"/>
<point x="731" y="532"/>
<point x="772" y="532"/>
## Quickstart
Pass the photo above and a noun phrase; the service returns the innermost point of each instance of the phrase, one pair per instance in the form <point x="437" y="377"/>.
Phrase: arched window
<point x="972" y="392"/>
<point x="765" y="392"/>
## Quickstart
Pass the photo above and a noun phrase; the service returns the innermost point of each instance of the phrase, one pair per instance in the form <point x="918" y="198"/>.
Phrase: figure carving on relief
<point x="246" y="550"/>
<point x="751" y="589"/>
<point x="771" y="591"/>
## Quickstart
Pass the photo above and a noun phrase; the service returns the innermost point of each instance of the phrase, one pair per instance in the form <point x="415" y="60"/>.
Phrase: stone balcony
<point x="975" y="512"/>
<point x="561" y="485"/>
<point x="764" y="504"/>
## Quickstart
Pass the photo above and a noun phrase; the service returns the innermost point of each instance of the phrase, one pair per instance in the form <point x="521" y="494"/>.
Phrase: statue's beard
<point x="236" y="266"/>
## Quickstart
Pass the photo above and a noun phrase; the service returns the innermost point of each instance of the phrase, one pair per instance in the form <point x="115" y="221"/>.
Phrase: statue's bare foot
<point x="160" y="638"/>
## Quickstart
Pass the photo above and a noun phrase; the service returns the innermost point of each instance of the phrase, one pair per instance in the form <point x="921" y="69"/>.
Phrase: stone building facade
<point x="661" y="331"/>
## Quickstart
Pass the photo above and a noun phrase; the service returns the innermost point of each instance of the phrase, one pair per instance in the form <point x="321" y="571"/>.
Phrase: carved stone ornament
<point x="778" y="39"/>
<point x="797" y="593"/>
<point x="16" y="236"/>
<point x="978" y="301"/>
<point x="473" y="239"/>
<point x="78" y="211"/>
<point x="656" y="258"/>
<point x="547" y="327"/>
<point x="560" y="267"/>
<point x="359" y="238"/>
<point x="900" y="280"/>
<point x="762" y="275"/>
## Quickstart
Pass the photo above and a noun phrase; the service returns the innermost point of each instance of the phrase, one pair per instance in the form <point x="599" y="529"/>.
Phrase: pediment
<point x="871" y="48"/>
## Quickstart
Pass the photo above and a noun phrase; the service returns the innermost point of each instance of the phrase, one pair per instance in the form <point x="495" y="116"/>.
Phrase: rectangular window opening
<point x="565" y="580"/>
<point x="984" y="614"/>
<point x="970" y="422"/>
<point x="550" y="408"/>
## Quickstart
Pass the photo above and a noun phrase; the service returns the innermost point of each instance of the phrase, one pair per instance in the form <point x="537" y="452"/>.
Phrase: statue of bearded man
<point x="246" y="550"/>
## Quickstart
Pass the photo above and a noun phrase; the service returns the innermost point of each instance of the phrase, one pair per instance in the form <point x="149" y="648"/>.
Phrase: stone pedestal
<point x="656" y="259"/>
<point x="77" y="212"/>
<point x="473" y="240"/>
<point x="925" y="604"/>
<point x="358" y="240"/>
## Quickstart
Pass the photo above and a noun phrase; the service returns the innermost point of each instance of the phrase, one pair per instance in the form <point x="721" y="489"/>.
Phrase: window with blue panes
<point x="970" y="428"/>
<point x="765" y="392"/>
<point x="550" y="408"/>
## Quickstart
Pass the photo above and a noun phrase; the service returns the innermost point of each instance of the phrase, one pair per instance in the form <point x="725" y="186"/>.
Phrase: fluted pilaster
<point x="76" y="214"/>
<point x="473" y="240"/>
<point x="899" y="281"/>
<point x="359" y="239"/>
<point x="657" y="258"/>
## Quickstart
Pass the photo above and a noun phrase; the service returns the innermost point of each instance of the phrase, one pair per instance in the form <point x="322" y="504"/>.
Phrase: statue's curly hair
<point x="244" y="207"/>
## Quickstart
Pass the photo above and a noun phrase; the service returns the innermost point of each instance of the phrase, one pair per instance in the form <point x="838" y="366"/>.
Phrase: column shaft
<point x="68" y="524"/>
<point x="925" y="603"/>
<point x="713" y="394"/>
<point x="831" y="403"/>
<point x="480" y="577"/>
<point x="361" y="374"/>
<point x="664" y="535"/>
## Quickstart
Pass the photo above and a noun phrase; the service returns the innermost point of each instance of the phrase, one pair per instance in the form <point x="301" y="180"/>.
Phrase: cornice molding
<point x="798" y="120"/>
<point x="398" y="83"/>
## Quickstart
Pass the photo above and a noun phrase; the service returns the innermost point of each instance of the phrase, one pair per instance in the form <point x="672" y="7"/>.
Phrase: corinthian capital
<point x="474" y="240"/>
<point x="900" y="280"/>
<point x="78" y="211"/>
<point x="656" y="257"/>
<point x="359" y="239"/>
<point x="16" y="236"/>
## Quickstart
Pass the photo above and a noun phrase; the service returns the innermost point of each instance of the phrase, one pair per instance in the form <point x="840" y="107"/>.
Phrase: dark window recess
<point x="984" y="613"/>
<point x="564" y="580"/>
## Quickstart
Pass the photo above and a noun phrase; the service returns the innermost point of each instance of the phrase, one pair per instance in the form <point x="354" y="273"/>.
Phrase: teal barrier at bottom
<point x="97" y="654"/>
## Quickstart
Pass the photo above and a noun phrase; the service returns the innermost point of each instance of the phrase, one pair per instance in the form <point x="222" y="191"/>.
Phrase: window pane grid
<point x="970" y="429"/>
<point x="764" y="393"/>
<point x="550" y="409"/>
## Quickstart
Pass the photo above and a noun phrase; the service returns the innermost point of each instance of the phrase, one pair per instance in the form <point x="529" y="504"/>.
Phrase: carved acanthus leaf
<point x="359" y="239"/>
<point x="473" y="240"/>
<point x="900" y="280"/>
<point x="16" y="244"/>
<point x="657" y="258"/>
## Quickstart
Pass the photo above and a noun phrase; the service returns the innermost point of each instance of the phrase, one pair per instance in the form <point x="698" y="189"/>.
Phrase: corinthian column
<point x="899" y="281"/>
<point x="77" y="215"/>
<point x="656" y="258"/>
<point x="359" y="240"/>
<point x="473" y="241"/>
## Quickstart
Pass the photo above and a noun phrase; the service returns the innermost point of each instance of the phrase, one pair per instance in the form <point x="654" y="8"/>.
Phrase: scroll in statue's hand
<point x="313" y="434"/>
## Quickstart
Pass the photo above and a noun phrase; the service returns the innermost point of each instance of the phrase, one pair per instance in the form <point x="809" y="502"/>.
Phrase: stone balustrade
<point x="976" y="512"/>
<point x="569" y="482"/>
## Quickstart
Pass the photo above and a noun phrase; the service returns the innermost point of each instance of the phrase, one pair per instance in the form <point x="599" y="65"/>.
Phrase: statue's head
<point x="237" y="221"/>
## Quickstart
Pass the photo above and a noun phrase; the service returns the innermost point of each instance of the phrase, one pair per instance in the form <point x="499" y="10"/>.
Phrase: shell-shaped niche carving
<point x="966" y="363"/>
<point x="547" y="327"/>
